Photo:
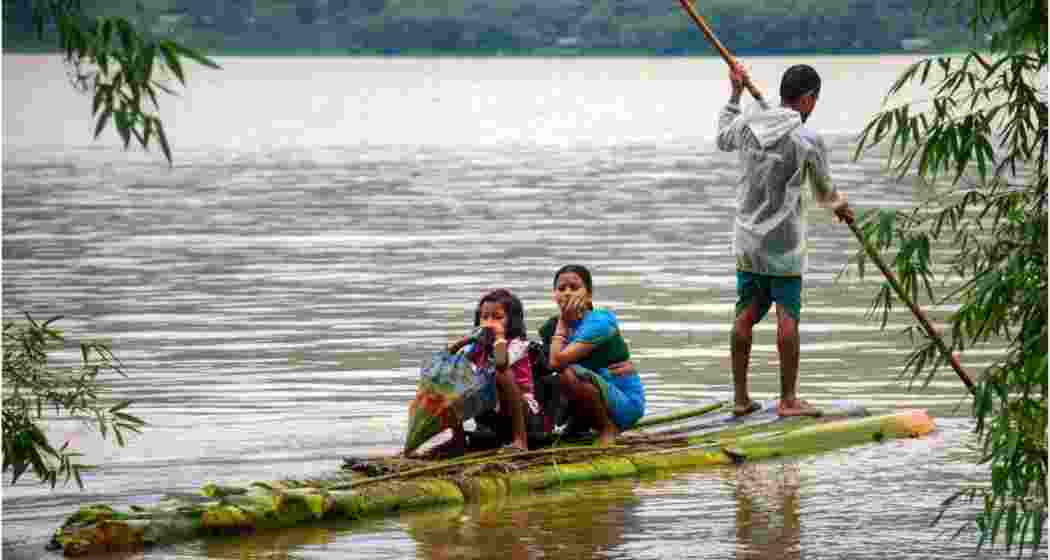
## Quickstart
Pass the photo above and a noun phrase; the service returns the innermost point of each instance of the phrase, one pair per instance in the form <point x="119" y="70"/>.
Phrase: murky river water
<point x="329" y="222"/>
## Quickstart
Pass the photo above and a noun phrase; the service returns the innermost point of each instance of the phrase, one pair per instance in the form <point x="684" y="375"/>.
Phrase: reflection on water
<point x="274" y="292"/>
<point x="275" y="545"/>
<point x="570" y="523"/>
<point x="372" y="538"/>
<point x="768" y="524"/>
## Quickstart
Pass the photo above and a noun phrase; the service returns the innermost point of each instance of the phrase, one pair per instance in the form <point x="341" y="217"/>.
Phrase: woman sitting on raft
<point x="584" y="343"/>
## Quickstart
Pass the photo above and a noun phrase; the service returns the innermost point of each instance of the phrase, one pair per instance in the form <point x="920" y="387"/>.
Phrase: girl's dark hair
<point x="579" y="269"/>
<point x="511" y="306"/>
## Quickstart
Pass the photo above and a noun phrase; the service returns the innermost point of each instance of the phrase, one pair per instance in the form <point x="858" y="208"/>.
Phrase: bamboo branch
<point x="656" y="420"/>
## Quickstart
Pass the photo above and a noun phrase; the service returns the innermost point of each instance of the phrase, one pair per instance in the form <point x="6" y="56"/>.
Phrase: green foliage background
<point x="36" y="390"/>
<point x="568" y="26"/>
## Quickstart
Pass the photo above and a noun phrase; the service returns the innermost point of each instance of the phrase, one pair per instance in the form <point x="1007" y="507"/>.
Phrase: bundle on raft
<point x="704" y="437"/>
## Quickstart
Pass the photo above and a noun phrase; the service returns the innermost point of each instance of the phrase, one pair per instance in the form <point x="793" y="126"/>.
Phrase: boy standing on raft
<point x="777" y="155"/>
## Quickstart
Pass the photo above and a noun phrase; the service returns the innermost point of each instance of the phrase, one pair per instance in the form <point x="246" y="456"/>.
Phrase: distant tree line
<point x="747" y="27"/>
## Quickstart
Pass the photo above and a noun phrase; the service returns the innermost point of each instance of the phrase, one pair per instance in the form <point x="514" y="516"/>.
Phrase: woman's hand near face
<point x="578" y="303"/>
<point x="564" y="309"/>
<point x="572" y="306"/>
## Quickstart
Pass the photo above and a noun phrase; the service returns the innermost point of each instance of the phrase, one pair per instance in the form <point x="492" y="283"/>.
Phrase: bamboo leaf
<point x="163" y="88"/>
<point x="883" y="121"/>
<point x="149" y="54"/>
<point x="863" y="141"/>
<point x="195" y="56"/>
<point x="130" y="427"/>
<point x="925" y="72"/>
<point x="129" y="418"/>
<point x="120" y="118"/>
<point x="147" y="131"/>
<point x="138" y="136"/>
<point x="106" y="32"/>
<point x="18" y="467"/>
<point x="171" y="58"/>
<point x="887" y="305"/>
<point x="98" y="100"/>
<point x="102" y="59"/>
<point x="163" y="138"/>
<point x="886" y="221"/>
<point x="127" y="34"/>
<point x="904" y="78"/>
<point x="102" y="120"/>
<point x="945" y="64"/>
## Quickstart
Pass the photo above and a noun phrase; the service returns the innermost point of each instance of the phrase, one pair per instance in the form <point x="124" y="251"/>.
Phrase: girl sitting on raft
<point x="591" y="358"/>
<point x="502" y="346"/>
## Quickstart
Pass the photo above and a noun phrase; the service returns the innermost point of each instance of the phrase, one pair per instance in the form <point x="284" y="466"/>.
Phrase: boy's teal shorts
<point x="764" y="290"/>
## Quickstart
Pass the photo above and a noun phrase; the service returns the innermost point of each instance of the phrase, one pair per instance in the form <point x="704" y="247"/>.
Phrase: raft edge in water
<point x="100" y="528"/>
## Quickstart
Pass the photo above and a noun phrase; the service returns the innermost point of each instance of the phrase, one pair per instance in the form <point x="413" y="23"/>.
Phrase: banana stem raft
<point x="350" y="495"/>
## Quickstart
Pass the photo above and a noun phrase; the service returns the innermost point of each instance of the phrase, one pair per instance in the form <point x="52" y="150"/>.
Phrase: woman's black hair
<point x="511" y="306"/>
<point x="578" y="269"/>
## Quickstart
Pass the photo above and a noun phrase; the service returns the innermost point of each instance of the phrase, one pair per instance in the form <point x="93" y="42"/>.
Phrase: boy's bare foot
<point x="607" y="438"/>
<point x="745" y="409"/>
<point x="514" y="447"/>
<point x="521" y="444"/>
<point x="796" y="407"/>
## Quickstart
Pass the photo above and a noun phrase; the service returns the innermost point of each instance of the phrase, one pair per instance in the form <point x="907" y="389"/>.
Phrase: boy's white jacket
<point x="777" y="155"/>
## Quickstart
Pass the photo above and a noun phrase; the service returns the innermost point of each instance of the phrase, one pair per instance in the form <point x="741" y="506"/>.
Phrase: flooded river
<point x="330" y="222"/>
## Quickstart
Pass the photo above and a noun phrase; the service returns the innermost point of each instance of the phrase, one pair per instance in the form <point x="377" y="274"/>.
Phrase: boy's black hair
<point x="513" y="308"/>
<point x="579" y="269"/>
<point x="797" y="81"/>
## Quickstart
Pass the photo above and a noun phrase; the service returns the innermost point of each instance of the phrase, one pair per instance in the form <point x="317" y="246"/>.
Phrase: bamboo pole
<point x="726" y="56"/>
<point x="872" y="253"/>
<point x="668" y="418"/>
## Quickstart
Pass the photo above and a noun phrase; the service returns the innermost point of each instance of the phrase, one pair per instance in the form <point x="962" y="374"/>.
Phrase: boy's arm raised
<point x="727" y="131"/>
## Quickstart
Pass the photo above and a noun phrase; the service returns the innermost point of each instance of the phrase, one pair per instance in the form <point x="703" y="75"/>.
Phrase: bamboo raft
<point x="707" y="436"/>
